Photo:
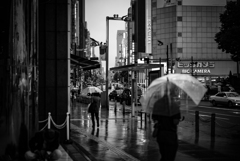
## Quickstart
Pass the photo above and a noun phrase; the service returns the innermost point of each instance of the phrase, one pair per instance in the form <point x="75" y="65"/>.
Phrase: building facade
<point x="35" y="59"/>
<point x="187" y="29"/>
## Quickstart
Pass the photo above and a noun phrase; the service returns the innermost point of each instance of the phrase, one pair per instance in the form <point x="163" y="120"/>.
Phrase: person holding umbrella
<point x="162" y="101"/>
<point x="166" y="125"/>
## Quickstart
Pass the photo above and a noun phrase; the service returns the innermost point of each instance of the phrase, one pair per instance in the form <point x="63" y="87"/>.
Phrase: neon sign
<point x="197" y="65"/>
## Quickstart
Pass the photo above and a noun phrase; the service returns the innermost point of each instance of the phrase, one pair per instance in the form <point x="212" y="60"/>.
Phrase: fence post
<point x="213" y="124"/>
<point x="49" y="120"/>
<point x="68" y="141"/>
<point x="197" y="122"/>
<point x="123" y="105"/>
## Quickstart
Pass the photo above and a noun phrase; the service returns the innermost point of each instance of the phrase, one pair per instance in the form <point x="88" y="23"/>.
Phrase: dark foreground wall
<point x="18" y="105"/>
<point x="34" y="70"/>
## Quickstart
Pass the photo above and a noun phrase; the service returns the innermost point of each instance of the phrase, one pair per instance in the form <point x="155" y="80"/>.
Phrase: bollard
<point x="115" y="105"/>
<point x="49" y="120"/>
<point x="67" y="126"/>
<point x="213" y="124"/>
<point x="196" y="122"/>
<point x="68" y="141"/>
<point x="123" y="105"/>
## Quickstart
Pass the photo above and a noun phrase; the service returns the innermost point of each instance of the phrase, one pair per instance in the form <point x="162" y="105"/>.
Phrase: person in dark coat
<point x="166" y="125"/>
<point x="94" y="108"/>
<point x="44" y="145"/>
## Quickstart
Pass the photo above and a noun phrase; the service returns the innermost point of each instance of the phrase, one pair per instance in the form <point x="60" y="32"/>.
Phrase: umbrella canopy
<point x="90" y="90"/>
<point x="170" y="86"/>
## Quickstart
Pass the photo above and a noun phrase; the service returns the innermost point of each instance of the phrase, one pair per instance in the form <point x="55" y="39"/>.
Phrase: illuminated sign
<point x="199" y="71"/>
<point x="197" y="65"/>
<point x="149" y="38"/>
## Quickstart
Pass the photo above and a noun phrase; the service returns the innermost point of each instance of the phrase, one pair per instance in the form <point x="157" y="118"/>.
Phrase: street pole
<point x="167" y="59"/>
<point x="171" y="57"/>
<point x="192" y="63"/>
<point x="107" y="51"/>
<point x="160" y="63"/>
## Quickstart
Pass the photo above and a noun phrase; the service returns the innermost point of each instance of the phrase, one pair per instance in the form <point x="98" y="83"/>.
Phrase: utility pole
<point x="171" y="57"/>
<point x="167" y="60"/>
<point x="107" y="51"/>
<point x="160" y="63"/>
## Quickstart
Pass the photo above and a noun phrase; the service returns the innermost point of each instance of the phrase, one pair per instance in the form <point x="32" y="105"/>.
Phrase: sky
<point x="96" y="12"/>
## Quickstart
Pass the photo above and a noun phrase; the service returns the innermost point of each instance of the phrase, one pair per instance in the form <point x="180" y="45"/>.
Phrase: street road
<point x="225" y="117"/>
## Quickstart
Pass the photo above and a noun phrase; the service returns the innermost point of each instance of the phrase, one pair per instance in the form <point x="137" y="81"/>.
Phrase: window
<point x="179" y="18"/>
<point x="220" y="95"/>
<point x="179" y="50"/>
<point x="179" y="3"/>
<point x="179" y="34"/>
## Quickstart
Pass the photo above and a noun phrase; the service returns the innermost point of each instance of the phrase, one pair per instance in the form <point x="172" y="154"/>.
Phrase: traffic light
<point x="146" y="60"/>
<point x="103" y="49"/>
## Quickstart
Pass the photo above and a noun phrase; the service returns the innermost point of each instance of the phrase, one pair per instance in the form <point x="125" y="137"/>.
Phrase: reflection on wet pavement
<point x="122" y="137"/>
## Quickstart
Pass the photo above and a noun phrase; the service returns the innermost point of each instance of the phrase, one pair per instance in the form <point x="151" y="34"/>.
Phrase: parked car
<point x="126" y="96"/>
<point x="225" y="98"/>
<point x="115" y="94"/>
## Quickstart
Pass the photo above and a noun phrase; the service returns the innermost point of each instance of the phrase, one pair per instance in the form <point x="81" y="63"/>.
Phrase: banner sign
<point x="199" y="67"/>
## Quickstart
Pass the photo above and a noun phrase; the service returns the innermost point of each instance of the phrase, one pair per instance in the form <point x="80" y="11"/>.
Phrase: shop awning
<point x="85" y="63"/>
<point x="136" y="67"/>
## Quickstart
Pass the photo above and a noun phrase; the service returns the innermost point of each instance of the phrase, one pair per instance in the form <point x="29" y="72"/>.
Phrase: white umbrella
<point x="157" y="89"/>
<point x="90" y="90"/>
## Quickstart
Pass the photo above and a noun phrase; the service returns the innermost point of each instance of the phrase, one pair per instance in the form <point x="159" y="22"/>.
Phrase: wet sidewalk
<point x="123" y="137"/>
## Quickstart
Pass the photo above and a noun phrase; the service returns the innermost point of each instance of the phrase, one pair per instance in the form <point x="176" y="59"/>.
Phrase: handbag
<point x="90" y="107"/>
<point x="155" y="130"/>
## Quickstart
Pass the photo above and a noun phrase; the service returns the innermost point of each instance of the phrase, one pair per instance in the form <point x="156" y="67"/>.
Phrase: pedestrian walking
<point x="44" y="146"/>
<point x="93" y="108"/>
<point x="165" y="128"/>
<point x="162" y="100"/>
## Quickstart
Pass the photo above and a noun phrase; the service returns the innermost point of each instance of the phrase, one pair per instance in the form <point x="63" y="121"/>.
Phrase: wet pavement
<point x="123" y="137"/>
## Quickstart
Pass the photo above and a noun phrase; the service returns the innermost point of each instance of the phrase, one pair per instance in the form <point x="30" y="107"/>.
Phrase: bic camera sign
<point x="198" y="67"/>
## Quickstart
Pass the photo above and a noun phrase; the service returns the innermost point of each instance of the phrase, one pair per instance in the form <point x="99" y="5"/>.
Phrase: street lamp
<point x="115" y="17"/>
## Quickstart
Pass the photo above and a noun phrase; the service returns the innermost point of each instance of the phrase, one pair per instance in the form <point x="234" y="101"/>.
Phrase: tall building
<point x="187" y="28"/>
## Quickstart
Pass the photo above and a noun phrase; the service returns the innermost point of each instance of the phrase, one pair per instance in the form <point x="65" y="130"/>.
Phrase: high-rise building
<point x="187" y="28"/>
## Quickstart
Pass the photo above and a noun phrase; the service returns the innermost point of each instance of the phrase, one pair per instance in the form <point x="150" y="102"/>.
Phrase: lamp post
<point x="115" y="17"/>
<point x="167" y="60"/>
